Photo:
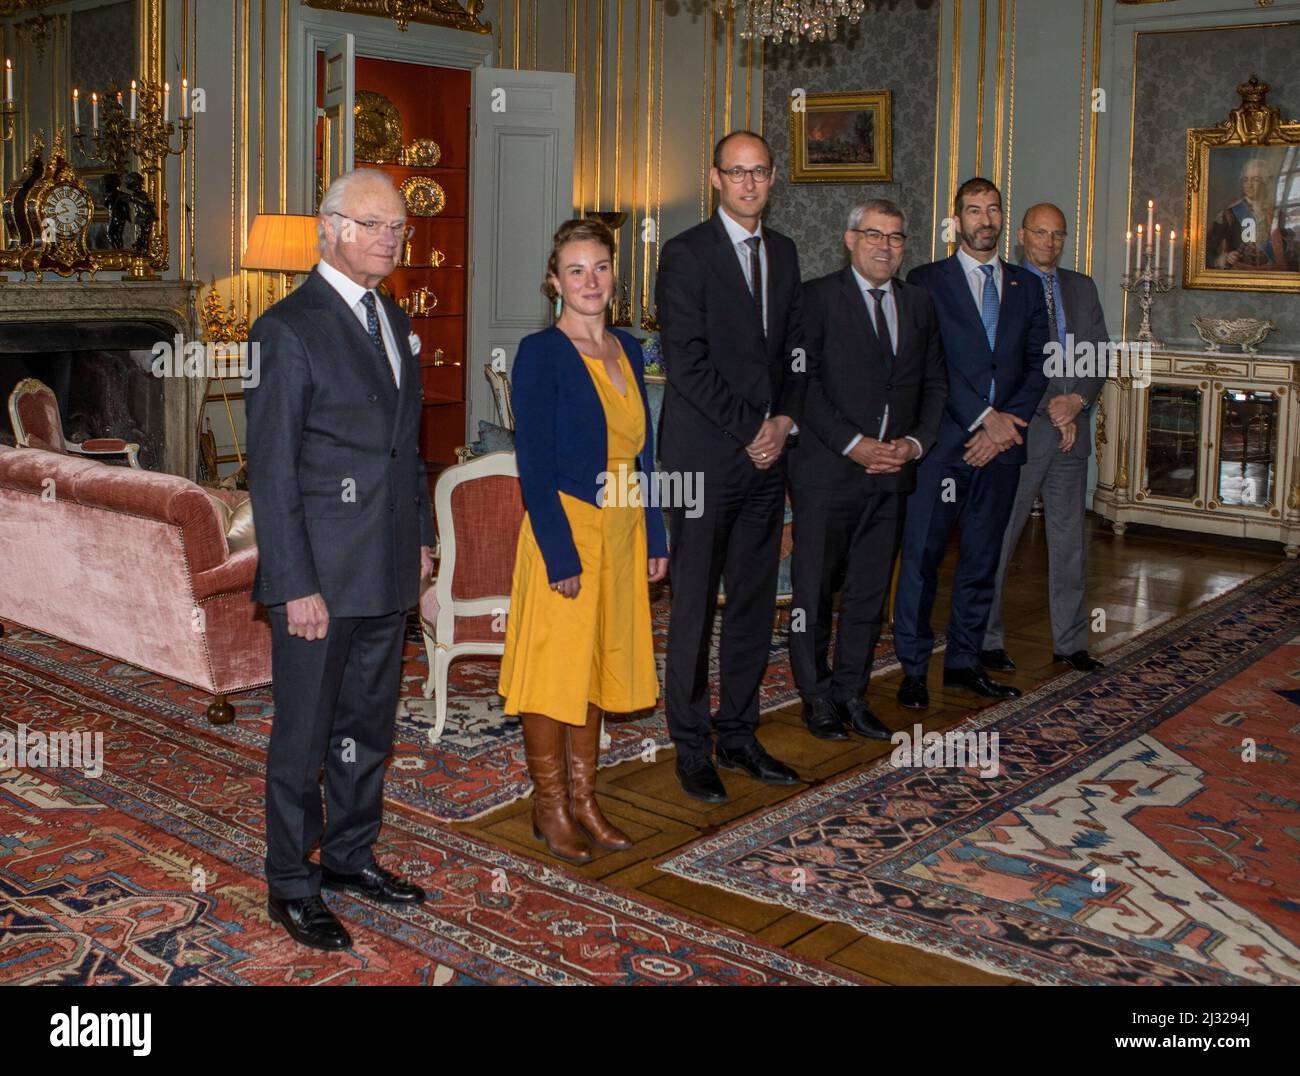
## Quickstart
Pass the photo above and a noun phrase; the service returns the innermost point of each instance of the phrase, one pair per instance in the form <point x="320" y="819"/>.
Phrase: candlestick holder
<point x="147" y="138"/>
<point x="1146" y="283"/>
<point x="8" y="113"/>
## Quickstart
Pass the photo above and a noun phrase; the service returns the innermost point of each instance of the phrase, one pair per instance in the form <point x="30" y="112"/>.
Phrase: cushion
<point x="236" y="521"/>
<point x="492" y="438"/>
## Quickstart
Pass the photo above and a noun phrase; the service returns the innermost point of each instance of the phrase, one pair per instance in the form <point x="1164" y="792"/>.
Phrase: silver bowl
<point x="1243" y="332"/>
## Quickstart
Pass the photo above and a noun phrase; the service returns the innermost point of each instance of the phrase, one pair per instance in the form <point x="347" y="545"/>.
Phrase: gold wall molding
<point x="1083" y="111"/>
<point x="954" y="124"/>
<point x="938" y="115"/>
<point x="427" y="12"/>
<point x="1092" y="135"/>
<point x="1000" y="113"/>
<point x="979" y="90"/>
<point x="1011" y="133"/>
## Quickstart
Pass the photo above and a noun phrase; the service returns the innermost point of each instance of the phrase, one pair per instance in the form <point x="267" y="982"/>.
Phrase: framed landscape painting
<point x="841" y="137"/>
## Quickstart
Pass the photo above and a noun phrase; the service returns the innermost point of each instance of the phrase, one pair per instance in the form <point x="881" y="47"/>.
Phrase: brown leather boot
<point x="544" y="749"/>
<point x="584" y="750"/>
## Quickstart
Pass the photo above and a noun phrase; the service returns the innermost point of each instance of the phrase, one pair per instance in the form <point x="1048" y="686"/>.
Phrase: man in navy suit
<point x="994" y="324"/>
<point x="344" y="533"/>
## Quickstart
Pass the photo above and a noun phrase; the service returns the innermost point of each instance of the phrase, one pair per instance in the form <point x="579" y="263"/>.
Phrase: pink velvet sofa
<point x="133" y="565"/>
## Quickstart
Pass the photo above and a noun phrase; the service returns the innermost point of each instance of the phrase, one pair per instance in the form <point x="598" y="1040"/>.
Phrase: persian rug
<point x="476" y="767"/>
<point x="1142" y="825"/>
<point x="146" y="868"/>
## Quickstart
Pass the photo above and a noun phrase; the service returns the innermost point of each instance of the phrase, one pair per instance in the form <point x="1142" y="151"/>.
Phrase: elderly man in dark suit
<point x="344" y="533"/>
<point x="1059" y="443"/>
<point x="994" y="326"/>
<point x="728" y="300"/>
<point x="876" y="390"/>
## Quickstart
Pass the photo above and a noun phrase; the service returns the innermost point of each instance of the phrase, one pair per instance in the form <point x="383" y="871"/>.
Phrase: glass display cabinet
<point x="1207" y="442"/>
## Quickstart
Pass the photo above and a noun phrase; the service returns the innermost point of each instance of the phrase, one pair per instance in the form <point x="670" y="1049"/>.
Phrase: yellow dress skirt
<point x="563" y="653"/>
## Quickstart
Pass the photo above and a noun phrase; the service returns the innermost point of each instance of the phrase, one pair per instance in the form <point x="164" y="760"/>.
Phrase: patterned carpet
<point x="477" y="766"/>
<point x="1143" y="826"/>
<point x="151" y="873"/>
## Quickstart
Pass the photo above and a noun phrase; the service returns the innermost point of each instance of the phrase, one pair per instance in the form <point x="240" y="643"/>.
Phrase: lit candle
<point x="1171" y="251"/>
<point x="76" y="107"/>
<point x="94" y="110"/>
<point x="167" y="98"/>
<point x="133" y="100"/>
<point x="1128" y="252"/>
<point x="185" y="98"/>
<point x="1155" y="242"/>
<point x="1141" y="249"/>
<point x="1151" y="209"/>
<point x="9" y="80"/>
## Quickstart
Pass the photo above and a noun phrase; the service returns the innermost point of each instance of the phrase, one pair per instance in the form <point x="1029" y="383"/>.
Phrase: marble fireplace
<point x="92" y="343"/>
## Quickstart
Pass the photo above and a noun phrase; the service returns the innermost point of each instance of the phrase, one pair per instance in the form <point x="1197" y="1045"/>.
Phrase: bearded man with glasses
<point x="728" y="300"/>
<point x="344" y="535"/>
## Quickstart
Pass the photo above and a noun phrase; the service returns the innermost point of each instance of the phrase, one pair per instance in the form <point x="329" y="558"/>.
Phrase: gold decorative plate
<point x="424" y="153"/>
<point x="424" y="197"/>
<point x="377" y="126"/>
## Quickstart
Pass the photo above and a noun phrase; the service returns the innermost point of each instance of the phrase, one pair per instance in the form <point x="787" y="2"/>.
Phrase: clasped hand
<point x="999" y="431"/>
<point x="882" y="457"/>
<point x="765" y="449"/>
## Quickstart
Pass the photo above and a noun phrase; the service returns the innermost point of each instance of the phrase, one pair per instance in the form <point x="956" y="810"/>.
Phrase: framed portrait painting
<point x="841" y="137"/>
<point x="1243" y="200"/>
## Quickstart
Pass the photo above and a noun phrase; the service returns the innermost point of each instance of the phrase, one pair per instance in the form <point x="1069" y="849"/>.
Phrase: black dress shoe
<point x="309" y="922"/>
<point x="913" y="693"/>
<point x="998" y="660"/>
<point x="700" y="780"/>
<point x="977" y="680"/>
<point x="757" y="763"/>
<point x="823" y="720"/>
<point x="1080" y="660"/>
<point x="373" y="882"/>
<point x="863" y="721"/>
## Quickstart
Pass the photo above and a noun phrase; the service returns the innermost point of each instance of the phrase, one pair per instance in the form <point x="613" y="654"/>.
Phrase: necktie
<point x="372" y="327"/>
<point x="882" y="326"/>
<point x="1049" y="293"/>
<point x="989" y="315"/>
<point x="756" y="277"/>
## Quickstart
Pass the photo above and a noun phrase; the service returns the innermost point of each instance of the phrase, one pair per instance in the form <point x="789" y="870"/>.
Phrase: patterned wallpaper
<point x="1183" y="81"/>
<point x="892" y="48"/>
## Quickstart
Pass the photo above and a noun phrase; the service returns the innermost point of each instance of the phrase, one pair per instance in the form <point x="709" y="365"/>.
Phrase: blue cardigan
<point x="561" y="444"/>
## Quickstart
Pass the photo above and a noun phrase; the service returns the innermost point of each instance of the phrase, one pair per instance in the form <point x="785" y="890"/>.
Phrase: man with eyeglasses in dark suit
<point x="877" y="383"/>
<point x="728" y="300"/>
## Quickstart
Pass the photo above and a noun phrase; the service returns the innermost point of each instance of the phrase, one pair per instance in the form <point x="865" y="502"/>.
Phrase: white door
<point x="340" y="92"/>
<point x="522" y="176"/>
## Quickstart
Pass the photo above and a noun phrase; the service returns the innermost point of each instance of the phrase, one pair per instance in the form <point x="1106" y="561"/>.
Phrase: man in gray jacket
<point x="1058" y="443"/>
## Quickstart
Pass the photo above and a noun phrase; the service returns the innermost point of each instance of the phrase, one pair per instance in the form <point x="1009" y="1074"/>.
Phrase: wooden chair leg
<point x="220" y="712"/>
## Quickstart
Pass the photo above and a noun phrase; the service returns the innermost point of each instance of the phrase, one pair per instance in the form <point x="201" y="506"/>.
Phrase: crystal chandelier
<point x="812" y="20"/>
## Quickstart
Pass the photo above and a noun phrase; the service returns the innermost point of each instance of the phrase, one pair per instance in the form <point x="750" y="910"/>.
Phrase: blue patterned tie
<point x="989" y="315"/>
<point x="1049" y="293"/>
<point x="372" y="326"/>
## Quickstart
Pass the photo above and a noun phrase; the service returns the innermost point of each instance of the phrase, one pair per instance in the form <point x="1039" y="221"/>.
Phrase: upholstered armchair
<point x="34" y="415"/>
<point x="480" y="509"/>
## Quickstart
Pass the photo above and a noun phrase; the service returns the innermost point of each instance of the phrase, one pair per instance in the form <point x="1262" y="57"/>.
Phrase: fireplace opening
<point x="100" y="373"/>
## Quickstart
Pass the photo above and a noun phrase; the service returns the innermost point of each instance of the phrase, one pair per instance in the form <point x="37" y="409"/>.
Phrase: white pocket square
<point x="414" y="341"/>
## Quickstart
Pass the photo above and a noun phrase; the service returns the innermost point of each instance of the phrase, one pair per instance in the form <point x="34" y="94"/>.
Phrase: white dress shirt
<point x="890" y="306"/>
<point x="975" y="279"/>
<point x="352" y="293"/>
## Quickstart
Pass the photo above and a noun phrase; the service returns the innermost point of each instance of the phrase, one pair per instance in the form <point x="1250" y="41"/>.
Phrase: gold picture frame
<point x="1250" y="160"/>
<point x="842" y="137"/>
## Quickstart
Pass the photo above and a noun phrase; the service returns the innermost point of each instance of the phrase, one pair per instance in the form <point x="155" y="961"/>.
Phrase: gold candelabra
<point x="142" y="129"/>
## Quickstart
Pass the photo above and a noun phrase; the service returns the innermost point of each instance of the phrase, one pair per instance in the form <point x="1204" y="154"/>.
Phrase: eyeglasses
<point x="761" y="173"/>
<point x="398" y="229"/>
<point x="876" y="238"/>
<point x="1043" y="233"/>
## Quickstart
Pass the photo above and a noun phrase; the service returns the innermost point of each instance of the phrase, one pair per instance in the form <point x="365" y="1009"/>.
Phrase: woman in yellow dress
<point x="578" y="638"/>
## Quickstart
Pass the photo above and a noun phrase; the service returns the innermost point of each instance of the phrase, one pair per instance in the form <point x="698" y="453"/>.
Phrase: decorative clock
<point x="61" y="207"/>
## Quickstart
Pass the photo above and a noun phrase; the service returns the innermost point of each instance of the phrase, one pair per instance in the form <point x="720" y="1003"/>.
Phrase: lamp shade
<point x="282" y="243"/>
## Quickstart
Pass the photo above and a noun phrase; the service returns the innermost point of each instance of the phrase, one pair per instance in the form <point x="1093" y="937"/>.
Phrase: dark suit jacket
<point x="1085" y="321"/>
<point x="561" y="443"/>
<point x="850" y="382"/>
<point x="340" y="495"/>
<point x="1017" y="364"/>
<point x="722" y="373"/>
